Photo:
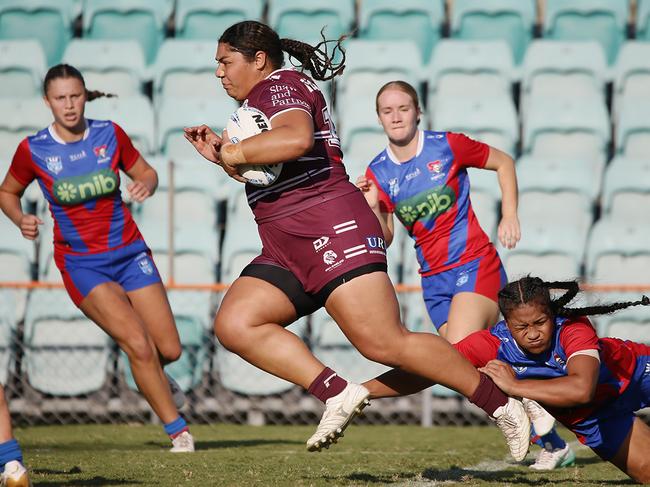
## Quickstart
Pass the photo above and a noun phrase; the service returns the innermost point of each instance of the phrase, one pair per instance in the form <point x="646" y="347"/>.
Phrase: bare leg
<point x="6" y="432"/>
<point x="250" y="323"/>
<point x="109" y="307"/>
<point x="152" y="306"/>
<point x="633" y="457"/>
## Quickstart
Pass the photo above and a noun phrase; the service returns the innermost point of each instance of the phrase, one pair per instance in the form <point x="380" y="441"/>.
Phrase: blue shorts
<point x="130" y="266"/>
<point x="485" y="276"/>
<point x="605" y="431"/>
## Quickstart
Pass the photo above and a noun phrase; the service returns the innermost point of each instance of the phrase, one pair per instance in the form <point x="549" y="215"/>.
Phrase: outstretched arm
<point x="509" y="232"/>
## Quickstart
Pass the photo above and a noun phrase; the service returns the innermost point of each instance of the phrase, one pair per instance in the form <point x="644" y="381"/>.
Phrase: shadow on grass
<point x="97" y="480"/>
<point x="220" y="444"/>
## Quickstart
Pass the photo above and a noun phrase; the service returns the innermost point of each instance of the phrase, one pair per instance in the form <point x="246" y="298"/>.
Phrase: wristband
<point x="233" y="154"/>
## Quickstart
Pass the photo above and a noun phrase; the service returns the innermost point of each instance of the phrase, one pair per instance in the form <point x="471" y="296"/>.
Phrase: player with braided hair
<point x="322" y="244"/>
<point x="105" y="264"/>
<point x="594" y="385"/>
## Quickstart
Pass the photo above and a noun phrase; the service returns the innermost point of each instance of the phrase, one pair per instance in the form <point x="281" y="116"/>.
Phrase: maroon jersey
<point x="317" y="176"/>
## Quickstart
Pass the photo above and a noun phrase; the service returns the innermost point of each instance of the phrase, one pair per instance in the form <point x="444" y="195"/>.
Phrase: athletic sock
<point x="327" y="384"/>
<point x="176" y="427"/>
<point x="535" y="439"/>
<point x="10" y="450"/>
<point x="488" y="396"/>
<point x="552" y="441"/>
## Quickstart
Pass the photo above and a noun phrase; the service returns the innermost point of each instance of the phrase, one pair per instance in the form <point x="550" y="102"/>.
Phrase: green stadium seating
<point x="602" y="20"/>
<point x="65" y="353"/>
<point x="643" y="20"/>
<point x="141" y="20"/>
<point x="458" y="67"/>
<point x="48" y="22"/>
<point x="303" y="21"/>
<point x="417" y="20"/>
<point x="633" y="128"/>
<point x="208" y="19"/>
<point x="28" y="116"/>
<point x="110" y="66"/>
<point x="22" y="68"/>
<point x="631" y="73"/>
<point x="626" y="190"/>
<point x="510" y="20"/>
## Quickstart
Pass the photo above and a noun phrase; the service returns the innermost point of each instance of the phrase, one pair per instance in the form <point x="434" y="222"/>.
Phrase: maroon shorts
<point x="340" y="238"/>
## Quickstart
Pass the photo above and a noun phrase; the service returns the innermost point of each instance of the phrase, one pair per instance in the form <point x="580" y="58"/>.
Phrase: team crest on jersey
<point x="144" y="264"/>
<point x="393" y="188"/>
<point x="329" y="257"/>
<point x="102" y="154"/>
<point x="54" y="164"/>
<point x="434" y="166"/>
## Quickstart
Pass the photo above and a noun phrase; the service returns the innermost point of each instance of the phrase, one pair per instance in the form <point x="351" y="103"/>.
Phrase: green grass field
<point x="275" y="455"/>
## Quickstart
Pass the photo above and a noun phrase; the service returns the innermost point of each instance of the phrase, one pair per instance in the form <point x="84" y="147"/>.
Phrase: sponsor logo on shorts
<point x="345" y="227"/>
<point x="319" y="243"/>
<point x="145" y="264"/>
<point x="377" y="245"/>
<point x="520" y="370"/>
<point x="329" y="257"/>
<point x="54" y="164"/>
<point x="354" y="251"/>
<point x="463" y="277"/>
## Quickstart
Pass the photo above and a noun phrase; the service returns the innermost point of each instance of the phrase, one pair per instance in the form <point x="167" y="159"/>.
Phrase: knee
<point x="171" y="353"/>
<point x="231" y="331"/>
<point x="139" y="349"/>
<point x="383" y="351"/>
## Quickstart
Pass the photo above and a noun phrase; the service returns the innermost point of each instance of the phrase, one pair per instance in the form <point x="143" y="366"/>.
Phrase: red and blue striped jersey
<point x="81" y="183"/>
<point x="618" y="359"/>
<point x="429" y="194"/>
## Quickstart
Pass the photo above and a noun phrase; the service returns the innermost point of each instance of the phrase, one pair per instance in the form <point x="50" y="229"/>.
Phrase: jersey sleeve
<point x="385" y="203"/>
<point x="578" y="336"/>
<point x="22" y="165"/>
<point x="128" y="153"/>
<point x="284" y="94"/>
<point x="468" y="152"/>
<point x="479" y="348"/>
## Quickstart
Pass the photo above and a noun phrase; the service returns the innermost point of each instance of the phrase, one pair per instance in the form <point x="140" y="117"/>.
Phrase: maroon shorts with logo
<point x="338" y="238"/>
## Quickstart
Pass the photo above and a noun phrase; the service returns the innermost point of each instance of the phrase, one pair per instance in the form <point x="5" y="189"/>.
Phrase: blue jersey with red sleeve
<point x="81" y="182"/>
<point x="618" y="363"/>
<point x="429" y="194"/>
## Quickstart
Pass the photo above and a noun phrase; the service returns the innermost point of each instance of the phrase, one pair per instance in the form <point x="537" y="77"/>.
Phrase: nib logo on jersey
<point x="79" y="189"/>
<point x="425" y="207"/>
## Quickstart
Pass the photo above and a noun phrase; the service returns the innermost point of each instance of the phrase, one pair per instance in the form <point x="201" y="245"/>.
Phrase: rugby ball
<point x="246" y="122"/>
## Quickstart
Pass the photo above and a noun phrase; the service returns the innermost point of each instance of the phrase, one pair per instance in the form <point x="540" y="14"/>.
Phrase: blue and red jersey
<point x="429" y="194"/>
<point x="81" y="183"/>
<point x="618" y="362"/>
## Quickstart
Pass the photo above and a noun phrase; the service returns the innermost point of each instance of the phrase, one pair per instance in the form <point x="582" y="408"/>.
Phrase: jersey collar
<point x="58" y="139"/>
<point x="394" y="159"/>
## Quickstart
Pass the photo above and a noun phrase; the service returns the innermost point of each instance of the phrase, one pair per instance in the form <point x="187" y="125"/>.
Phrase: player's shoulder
<point x="42" y="135"/>
<point x="379" y="160"/>
<point x="282" y="80"/>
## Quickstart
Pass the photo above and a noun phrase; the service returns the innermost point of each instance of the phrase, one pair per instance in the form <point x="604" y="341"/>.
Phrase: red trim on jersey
<point x="22" y="164"/>
<point x="385" y="204"/>
<point x="468" y="152"/>
<point x="128" y="154"/>
<point x="479" y="348"/>
<point x="578" y="334"/>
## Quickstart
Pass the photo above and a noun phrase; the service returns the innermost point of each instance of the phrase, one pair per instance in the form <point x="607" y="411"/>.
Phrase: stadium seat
<point x="643" y="20"/>
<point x="239" y="376"/>
<point x="332" y="347"/>
<point x="395" y="253"/>
<point x="134" y="114"/>
<point x="48" y="22"/>
<point x="618" y="253"/>
<point x="510" y="20"/>
<point x="485" y="208"/>
<point x="563" y="69"/>
<point x="208" y="19"/>
<point x="303" y="21"/>
<point x="28" y="116"/>
<point x="490" y="120"/>
<point x="628" y="324"/>
<point x="7" y="327"/>
<point x="186" y="69"/>
<point x="633" y="128"/>
<point x="16" y="253"/>
<point x="176" y="113"/>
<point x="140" y="20"/>
<point x="602" y="20"/>
<point x="482" y="68"/>
<point x="631" y="73"/>
<point x="567" y="128"/>
<point x="417" y="20"/>
<point x="65" y="353"/>
<point x="110" y="66"/>
<point x="626" y="191"/>
<point x="22" y="68"/>
<point x="369" y="65"/>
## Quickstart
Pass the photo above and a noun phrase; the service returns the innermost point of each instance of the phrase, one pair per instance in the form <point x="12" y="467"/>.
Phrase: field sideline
<point x="122" y="455"/>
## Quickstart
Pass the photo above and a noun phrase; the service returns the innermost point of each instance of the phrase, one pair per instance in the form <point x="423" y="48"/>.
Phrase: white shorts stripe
<point x="346" y="229"/>
<point x="364" y="251"/>
<point x="351" y="222"/>
<point x="352" y="249"/>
